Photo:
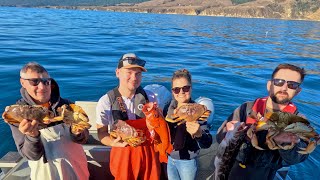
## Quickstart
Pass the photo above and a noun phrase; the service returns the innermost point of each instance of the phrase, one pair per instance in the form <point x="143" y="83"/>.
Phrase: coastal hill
<point x="278" y="9"/>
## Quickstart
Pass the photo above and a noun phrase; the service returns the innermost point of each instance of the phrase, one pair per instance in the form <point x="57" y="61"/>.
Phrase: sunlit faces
<point x="184" y="94"/>
<point x="129" y="78"/>
<point x="40" y="91"/>
<point x="283" y="94"/>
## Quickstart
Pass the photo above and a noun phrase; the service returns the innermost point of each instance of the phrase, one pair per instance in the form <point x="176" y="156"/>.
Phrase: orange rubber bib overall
<point x="135" y="163"/>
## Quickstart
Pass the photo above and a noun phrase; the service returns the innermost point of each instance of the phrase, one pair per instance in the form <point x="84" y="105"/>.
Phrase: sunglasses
<point x="291" y="84"/>
<point x="36" y="81"/>
<point x="133" y="61"/>
<point x="185" y="89"/>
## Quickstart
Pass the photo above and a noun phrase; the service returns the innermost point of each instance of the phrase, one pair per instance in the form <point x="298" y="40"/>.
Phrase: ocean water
<point x="230" y="58"/>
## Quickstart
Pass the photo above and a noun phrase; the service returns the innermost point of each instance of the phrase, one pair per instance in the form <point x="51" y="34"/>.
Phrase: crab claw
<point x="309" y="149"/>
<point x="205" y="115"/>
<point x="287" y="147"/>
<point x="264" y="125"/>
<point x="318" y="141"/>
<point x="173" y="120"/>
<point x="253" y="138"/>
<point x="261" y="124"/>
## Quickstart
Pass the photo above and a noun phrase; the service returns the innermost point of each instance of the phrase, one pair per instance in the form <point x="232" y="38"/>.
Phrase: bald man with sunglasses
<point x="250" y="162"/>
<point x="48" y="150"/>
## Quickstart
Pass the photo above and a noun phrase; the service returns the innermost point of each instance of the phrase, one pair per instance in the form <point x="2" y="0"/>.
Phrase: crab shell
<point x="75" y="116"/>
<point x="134" y="137"/>
<point x="307" y="133"/>
<point x="298" y="127"/>
<point x="283" y="119"/>
<point x="189" y="112"/>
<point x="287" y="122"/>
<point x="14" y="114"/>
<point x="278" y="122"/>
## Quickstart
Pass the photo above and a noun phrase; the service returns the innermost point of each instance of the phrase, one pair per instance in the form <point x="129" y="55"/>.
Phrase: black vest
<point x="118" y="107"/>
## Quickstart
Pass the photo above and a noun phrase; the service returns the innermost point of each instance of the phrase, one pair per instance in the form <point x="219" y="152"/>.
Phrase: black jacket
<point x="185" y="147"/>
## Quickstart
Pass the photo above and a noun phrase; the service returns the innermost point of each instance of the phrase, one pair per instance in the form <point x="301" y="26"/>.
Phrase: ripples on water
<point x="230" y="58"/>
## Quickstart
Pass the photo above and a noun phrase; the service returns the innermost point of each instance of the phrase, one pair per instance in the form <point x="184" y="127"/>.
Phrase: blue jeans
<point x="182" y="169"/>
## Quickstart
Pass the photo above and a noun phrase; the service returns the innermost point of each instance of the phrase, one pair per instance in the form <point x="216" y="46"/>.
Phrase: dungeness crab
<point x="70" y="114"/>
<point x="278" y="122"/>
<point x="189" y="112"/>
<point x="134" y="137"/>
<point x="75" y="116"/>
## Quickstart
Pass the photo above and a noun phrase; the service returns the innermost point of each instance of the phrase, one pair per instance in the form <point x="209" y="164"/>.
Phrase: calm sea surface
<point x="230" y="58"/>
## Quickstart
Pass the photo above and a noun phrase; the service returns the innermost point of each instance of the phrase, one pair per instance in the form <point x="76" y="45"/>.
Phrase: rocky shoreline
<point x="259" y="12"/>
<point x="274" y="9"/>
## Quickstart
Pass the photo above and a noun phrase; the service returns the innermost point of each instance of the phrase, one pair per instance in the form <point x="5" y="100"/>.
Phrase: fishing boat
<point x="14" y="167"/>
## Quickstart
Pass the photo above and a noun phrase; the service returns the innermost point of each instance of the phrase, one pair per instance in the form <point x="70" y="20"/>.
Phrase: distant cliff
<point x="33" y="3"/>
<point x="279" y="9"/>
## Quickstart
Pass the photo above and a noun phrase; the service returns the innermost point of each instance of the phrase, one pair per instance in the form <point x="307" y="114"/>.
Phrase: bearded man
<point x="251" y="163"/>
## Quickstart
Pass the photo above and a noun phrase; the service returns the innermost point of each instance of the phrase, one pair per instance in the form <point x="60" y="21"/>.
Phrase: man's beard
<point x="278" y="101"/>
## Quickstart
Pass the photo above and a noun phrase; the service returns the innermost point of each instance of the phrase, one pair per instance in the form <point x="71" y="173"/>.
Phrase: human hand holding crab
<point x="193" y="128"/>
<point x="31" y="118"/>
<point x="123" y="134"/>
<point x="76" y="130"/>
<point x="29" y="128"/>
<point x="118" y="142"/>
<point x="189" y="112"/>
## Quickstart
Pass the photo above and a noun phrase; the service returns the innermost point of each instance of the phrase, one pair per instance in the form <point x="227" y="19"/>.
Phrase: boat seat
<point x="11" y="159"/>
<point x="90" y="108"/>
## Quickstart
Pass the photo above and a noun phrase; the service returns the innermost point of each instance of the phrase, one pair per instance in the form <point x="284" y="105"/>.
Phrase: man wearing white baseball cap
<point x="124" y="103"/>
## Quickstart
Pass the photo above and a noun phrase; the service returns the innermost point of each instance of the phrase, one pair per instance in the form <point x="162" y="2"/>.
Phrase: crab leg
<point x="287" y="147"/>
<point x="253" y="137"/>
<point x="269" y="140"/>
<point x="58" y="118"/>
<point x="181" y="122"/>
<point x="203" y="118"/>
<point x="173" y="120"/>
<point x="309" y="149"/>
